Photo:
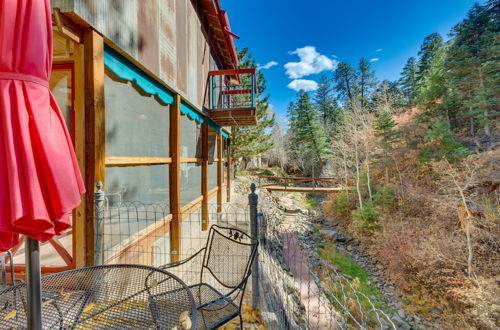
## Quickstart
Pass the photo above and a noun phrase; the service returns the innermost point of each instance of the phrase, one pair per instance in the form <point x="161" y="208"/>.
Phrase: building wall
<point x="165" y="36"/>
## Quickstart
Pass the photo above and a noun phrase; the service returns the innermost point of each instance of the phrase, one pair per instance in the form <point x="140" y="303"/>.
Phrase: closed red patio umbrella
<point x="40" y="182"/>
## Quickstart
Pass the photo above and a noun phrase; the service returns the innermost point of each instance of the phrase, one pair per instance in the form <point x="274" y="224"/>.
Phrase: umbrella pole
<point x="34" y="294"/>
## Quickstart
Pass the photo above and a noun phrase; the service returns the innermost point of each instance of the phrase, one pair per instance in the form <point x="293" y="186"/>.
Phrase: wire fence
<point x="304" y="296"/>
<point x="297" y="295"/>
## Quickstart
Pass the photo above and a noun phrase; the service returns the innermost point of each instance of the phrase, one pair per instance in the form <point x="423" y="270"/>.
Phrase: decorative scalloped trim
<point x="126" y="70"/>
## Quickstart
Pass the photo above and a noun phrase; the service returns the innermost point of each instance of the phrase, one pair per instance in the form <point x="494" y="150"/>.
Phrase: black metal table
<point x="105" y="297"/>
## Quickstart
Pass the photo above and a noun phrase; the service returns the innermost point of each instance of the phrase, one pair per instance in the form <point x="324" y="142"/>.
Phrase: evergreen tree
<point x="345" y="79"/>
<point x="327" y="104"/>
<point x="386" y="132"/>
<point x="434" y="89"/>
<point x="473" y="66"/>
<point x="308" y="132"/>
<point x="250" y="141"/>
<point x="408" y="80"/>
<point x="366" y="82"/>
<point x="431" y="45"/>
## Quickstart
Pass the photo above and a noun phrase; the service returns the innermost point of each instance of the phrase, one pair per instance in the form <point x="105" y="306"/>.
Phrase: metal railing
<point x="229" y="89"/>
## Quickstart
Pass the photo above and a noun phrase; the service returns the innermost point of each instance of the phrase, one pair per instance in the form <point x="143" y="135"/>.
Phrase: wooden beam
<point x="191" y="160"/>
<point x="219" y="172"/>
<point x="94" y="129"/>
<point x="175" y="189"/>
<point x="306" y="189"/>
<point x="133" y="161"/>
<point x="204" y="175"/>
<point x="79" y="222"/>
<point x="228" y="169"/>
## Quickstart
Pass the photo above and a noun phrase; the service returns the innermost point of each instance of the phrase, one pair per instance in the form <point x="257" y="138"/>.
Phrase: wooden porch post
<point x="228" y="182"/>
<point x="219" y="172"/>
<point x="94" y="129"/>
<point x="204" y="175"/>
<point x="175" y="192"/>
<point x="79" y="227"/>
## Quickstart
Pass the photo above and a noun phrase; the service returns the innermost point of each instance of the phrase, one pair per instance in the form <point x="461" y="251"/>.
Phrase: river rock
<point x="332" y="235"/>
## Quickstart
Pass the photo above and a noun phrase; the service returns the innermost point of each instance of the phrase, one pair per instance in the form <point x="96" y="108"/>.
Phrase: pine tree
<point x="387" y="96"/>
<point x="345" y="79"/>
<point x="366" y="82"/>
<point x="473" y="66"/>
<point x="308" y="133"/>
<point x="408" y="80"/>
<point x="327" y="105"/>
<point x="250" y="141"/>
<point x="431" y="45"/>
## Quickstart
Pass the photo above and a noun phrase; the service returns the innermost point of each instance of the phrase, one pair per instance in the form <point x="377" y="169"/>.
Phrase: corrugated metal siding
<point x="148" y="30"/>
<point x="168" y="38"/>
<point x="181" y="44"/>
<point x="163" y="35"/>
<point x="193" y="27"/>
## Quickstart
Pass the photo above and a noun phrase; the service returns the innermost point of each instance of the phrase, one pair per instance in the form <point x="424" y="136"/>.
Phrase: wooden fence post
<point x="175" y="192"/>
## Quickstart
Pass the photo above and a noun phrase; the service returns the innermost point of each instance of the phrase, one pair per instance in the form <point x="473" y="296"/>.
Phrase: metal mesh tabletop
<point x="105" y="297"/>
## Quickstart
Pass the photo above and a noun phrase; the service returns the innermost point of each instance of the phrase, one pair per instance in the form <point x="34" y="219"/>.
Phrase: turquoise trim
<point x="191" y="113"/>
<point x="217" y="128"/>
<point x="125" y="70"/>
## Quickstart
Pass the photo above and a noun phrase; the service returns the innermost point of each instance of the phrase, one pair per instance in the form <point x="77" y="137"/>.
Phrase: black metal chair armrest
<point x="240" y="286"/>
<point x="179" y="263"/>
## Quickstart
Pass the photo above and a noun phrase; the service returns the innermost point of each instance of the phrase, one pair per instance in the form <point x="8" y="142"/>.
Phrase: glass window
<point x="190" y="182"/>
<point x="136" y="125"/>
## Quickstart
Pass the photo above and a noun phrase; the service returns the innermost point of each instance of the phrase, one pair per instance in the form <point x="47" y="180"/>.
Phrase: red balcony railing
<point x="231" y="89"/>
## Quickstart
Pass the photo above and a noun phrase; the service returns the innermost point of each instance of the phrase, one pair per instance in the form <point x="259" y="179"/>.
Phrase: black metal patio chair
<point x="218" y="286"/>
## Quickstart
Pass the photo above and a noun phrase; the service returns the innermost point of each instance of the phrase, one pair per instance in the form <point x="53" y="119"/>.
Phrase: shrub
<point x="367" y="218"/>
<point x="385" y="198"/>
<point x="440" y="144"/>
<point x="341" y="203"/>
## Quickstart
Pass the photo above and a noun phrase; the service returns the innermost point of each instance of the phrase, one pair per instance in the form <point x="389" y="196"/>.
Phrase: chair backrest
<point x="3" y="268"/>
<point x="228" y="256"/>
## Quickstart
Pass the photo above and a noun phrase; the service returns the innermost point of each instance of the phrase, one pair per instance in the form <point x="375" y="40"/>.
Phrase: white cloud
<point x="267" y="65"/>
<point x="303" y="84"/>
<point x="379" y="50"/>
<point x="375" y="59"/>
<point x="311" y="62"/>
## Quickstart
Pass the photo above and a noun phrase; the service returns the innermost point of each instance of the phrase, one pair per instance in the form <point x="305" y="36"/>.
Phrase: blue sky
<point x="387" y="31"/>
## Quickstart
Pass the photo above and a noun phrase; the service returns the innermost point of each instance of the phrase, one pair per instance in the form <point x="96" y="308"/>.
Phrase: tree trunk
<point x="357" y="175"/>
<point x="487" y="129"/>
<point x="368" y="179"/>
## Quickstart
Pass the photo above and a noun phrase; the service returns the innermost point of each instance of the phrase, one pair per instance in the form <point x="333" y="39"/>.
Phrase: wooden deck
<point x="323" y="190"/>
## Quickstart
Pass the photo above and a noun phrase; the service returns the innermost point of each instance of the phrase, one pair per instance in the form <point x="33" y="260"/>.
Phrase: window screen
<point x="212" y="175"/>
<point x="136" y="125"/>
<point x="62" y="89"/>
<point x="145" y="184"/>
<point x="190" y="182"/>
<point x="190" y="138"/>
<point x="212" y="144"/>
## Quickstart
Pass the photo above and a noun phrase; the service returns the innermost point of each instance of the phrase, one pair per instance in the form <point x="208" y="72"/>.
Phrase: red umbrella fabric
<point x="40" y="182"/>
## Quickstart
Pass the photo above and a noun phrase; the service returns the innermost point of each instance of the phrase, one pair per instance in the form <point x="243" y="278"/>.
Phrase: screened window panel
<point x="136" y="125"/>
<point x="144" y="184"/>
<point x="190" y="138"/>
<point x="225" y="148"/>
<point x="212" y="144"/>
<point x="212" y="175"/>
<point x="60" y="85"/>
<point x="224" y="171"/>
<point x="190" y="182"/>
